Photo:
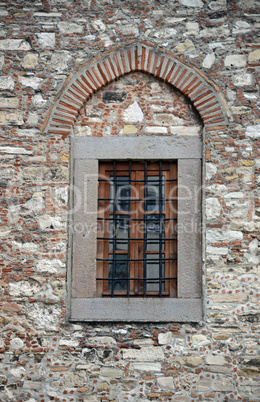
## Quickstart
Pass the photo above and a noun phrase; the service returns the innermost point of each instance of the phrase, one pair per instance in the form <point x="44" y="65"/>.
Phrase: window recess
<point x="96" y="262"/>
<point x="137" y="229"/>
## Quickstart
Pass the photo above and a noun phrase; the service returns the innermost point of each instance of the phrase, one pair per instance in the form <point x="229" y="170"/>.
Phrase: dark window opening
<point x="137" y="229"/>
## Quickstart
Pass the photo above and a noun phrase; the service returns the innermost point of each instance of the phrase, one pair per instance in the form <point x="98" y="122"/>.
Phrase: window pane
<point x="120" y="191"/>
<point x="154" y="198"/>
<point x="118" y="233"/>
<point x="155" y="226"/>
<point x="153" y="272"/>
<point x="118" y="269"/>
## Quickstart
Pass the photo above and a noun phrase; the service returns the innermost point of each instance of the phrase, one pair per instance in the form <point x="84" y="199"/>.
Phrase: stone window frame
<point x="84" y="305"/>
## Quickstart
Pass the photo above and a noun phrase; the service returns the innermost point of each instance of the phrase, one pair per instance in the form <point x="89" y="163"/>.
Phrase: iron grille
<point x="137" y="229"/>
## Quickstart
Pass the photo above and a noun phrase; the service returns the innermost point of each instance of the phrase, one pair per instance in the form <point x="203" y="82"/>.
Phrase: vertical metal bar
<point x="129" y="228"/>
<point x="114" y="229"/>
<point x="160" y="226"/>
<point x="145" y="231"/>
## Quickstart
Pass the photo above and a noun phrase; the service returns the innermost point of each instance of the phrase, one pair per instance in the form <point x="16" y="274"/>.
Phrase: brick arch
<point x="88" y="78"/>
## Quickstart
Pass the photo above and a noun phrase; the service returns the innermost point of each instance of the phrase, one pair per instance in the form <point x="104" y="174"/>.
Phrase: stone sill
<point x="136" y="309"/>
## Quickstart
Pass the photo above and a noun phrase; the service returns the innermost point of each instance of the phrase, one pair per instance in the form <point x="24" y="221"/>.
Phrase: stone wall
<point x="43" y="45"/>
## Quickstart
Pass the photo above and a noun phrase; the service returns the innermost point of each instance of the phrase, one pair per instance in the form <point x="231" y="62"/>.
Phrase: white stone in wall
<point x="68" y="342"/>
<point x="38" y="101"/>
<point x="253" y="131"/>
<point x="18" y="372"/>
<point x="217" y="360"/>
<point x="223" y="30"/>
<point x="218" y="5"/>
<point x="46" y="39"/>
<point x="133" y="113"/>
<point x="235" y="60"/>
<point x="146" y="366"/>
<point x="165" y="33"/>
<point x="32" y="119"/>
<point x="156" y="130"/>
<point x="191" y="3"/>
<point x="102" y="340"/>
<point x="107" y="131"/>
<point x="51" y="266"/>
<point x="6" y="82"/>
<point x="234" y="195"/>
<point x="33" y="82"/>
<point x="168" y="119"/>
<point x="211" y="170"/>
<point x="10" y="103"/>
<point x="7" y="118"/>
<point x="2" y="61"/>
<point x="14" y="44"/>
<point x="240" y="109"/>
<point x="185" y="46"/>
<point x="217" y="250"/>
<point x="146" y="354"/>
<point x="192" y="28"/>
<point x="252" y="256"/>
<point x="165" y="338"/>
<point x="15" y="151"/>
<point x="23" y="288"/>
<point x="243" y="79"/>
<point x="223" y="385"/>
<point x="182" y="130"/>
<point x="45" y="317"/>
<point x="30" y="61"/>
<point x="106" y="39"/>
<point x="83" y="130"/>
<point x="59" y="196"/>
<point x="59" y="60"/>
<point x="254" y="56"/>
<point x="232" y="96"/>
<point x="200" y="340"/>
<point x="99" y="25"/>
<point x="229" y="235"/>
<point x="213" y="208"/>
<point x="166" y="383"/>
<point x="73" y="380"/>
<point x="241" y="26"/>
<point x="16" y="343"/>
<point x="245" y="4"/>
<point x="251" y="96"/>
<point x="129" y="29"/>
<point x="209" y="60"/>
<point x="70" y="27"/>
<point x="111" y="372"/>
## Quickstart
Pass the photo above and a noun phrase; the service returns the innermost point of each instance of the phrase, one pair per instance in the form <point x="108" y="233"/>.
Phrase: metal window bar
<point x="129" y="230"/>
<point x="139" y="259"/>
<point x="141" y="181"/>
<point x="133" y="219"/>
<point x="145" y="219"/>
<point x="114" y="228"/>
<point x="145" y="230"/>
<point x="152" y="241"/>
<point x="160" y="228"/>
<point x="137" y="279"/>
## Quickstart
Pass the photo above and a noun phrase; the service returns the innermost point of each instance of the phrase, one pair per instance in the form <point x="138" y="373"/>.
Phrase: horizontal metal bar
<point x="136" y="219"/>
<point x="148" y="260"/>
<point x="149" y="241"/>
<point x="138" y="279"/>
<point x="108" y="180"/>
<point x="126" y="199"/>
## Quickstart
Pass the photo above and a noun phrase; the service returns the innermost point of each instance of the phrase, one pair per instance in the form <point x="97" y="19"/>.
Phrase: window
<point x="121" y="181"/>
<point x="137" y="229"/>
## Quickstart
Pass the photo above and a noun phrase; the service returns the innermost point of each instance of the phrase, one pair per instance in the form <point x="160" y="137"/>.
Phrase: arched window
<point x="136" y="249"/>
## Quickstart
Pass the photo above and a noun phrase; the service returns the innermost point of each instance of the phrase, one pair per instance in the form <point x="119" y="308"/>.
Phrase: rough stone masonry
<point x="43" y="46"/>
